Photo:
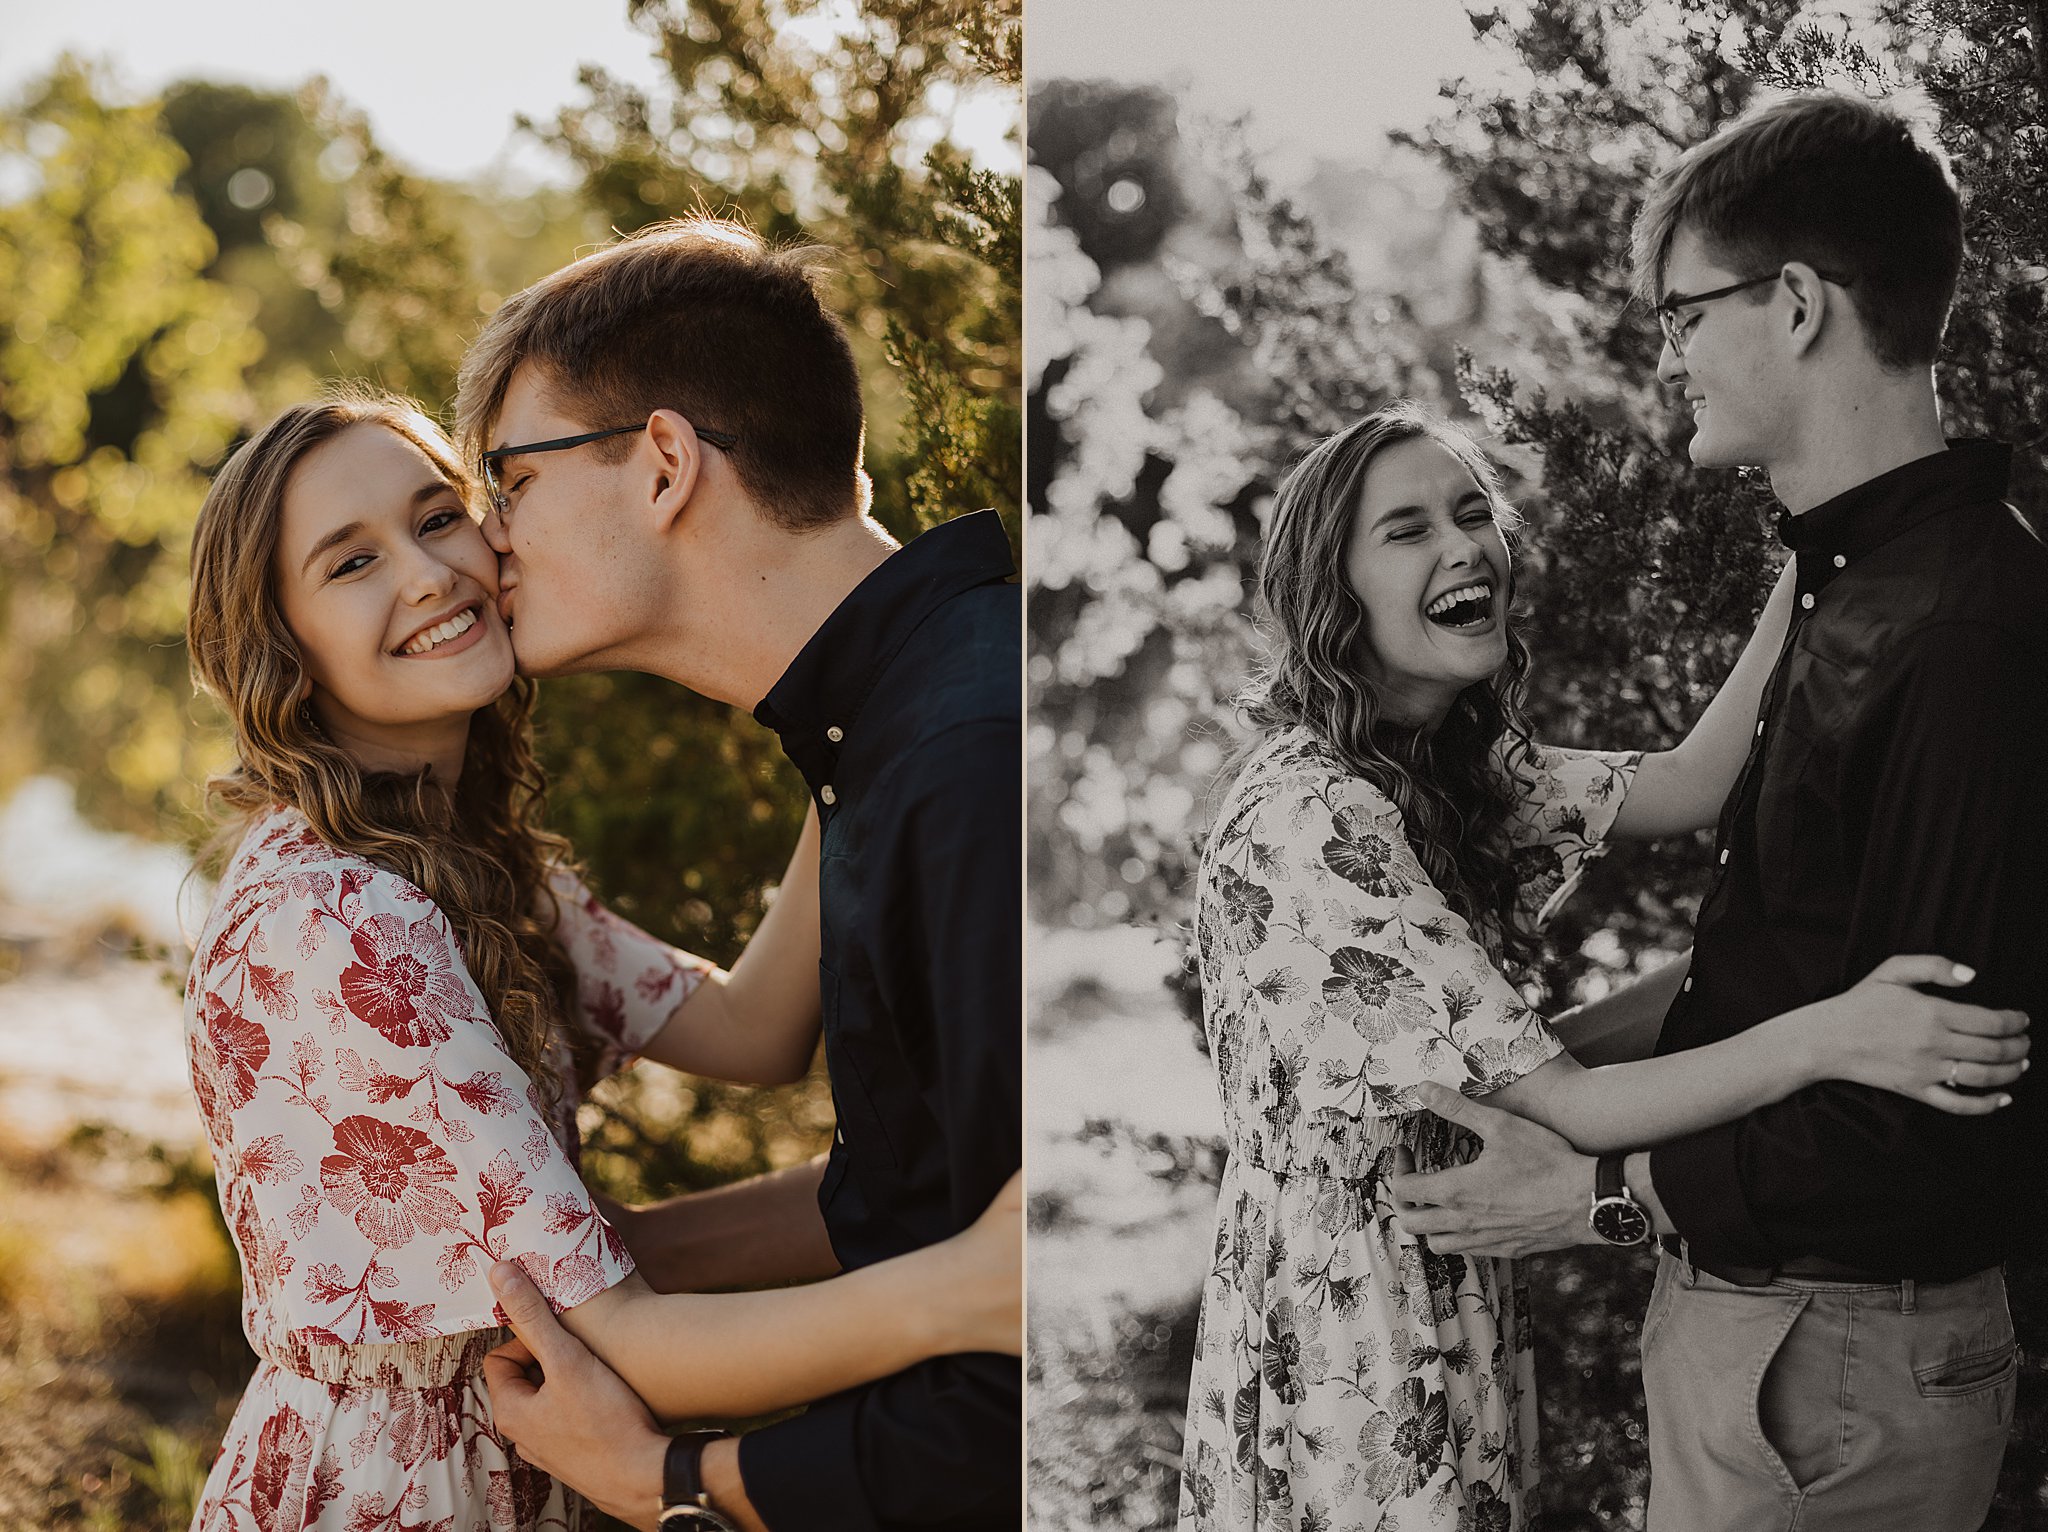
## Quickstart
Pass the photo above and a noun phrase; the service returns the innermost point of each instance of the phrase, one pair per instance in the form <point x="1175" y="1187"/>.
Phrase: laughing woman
<point x="1386" y="848"/>
<point x="399" y="996"/>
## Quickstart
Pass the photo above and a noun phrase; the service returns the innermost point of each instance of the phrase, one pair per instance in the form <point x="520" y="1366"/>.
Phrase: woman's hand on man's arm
<point x="726" y="1355"/>
<point x="1883" y="1032"/>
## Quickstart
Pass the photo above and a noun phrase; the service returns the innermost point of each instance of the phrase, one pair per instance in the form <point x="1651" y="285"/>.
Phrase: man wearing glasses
<point x="1828" y="1343"/>
<point x="670" y="433"/>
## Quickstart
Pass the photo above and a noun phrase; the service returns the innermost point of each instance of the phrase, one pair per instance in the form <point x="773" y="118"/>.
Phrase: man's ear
<point x="1810" y="305"/>
<point x="680" y="461"/>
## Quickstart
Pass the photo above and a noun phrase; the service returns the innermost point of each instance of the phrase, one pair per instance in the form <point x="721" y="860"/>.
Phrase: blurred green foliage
<point x="831" y="136"/>
<point x="121" y="369"/>
<point x="174" y="270"/>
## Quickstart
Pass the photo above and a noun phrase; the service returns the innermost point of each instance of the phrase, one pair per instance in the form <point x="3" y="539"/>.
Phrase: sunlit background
<point x="206" y="211"/>
<point x="443" y="84"/>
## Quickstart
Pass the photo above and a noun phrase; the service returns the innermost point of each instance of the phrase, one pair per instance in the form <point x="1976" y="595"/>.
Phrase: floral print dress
<point x="376" y="1150"/>
<point x="1347" y="1379"/>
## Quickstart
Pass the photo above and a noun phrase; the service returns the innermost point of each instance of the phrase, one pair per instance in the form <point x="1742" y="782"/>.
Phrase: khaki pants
<point x="1825" y="1406"/>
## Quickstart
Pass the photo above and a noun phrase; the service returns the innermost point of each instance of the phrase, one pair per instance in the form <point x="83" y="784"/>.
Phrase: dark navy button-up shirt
<point x="1892" y="803"/>
<point x="904" y="713"/>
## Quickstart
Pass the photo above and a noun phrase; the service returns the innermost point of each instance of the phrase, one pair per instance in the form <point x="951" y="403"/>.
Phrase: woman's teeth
<point x="454" y="627"/>
<point x="1467" y="606"/>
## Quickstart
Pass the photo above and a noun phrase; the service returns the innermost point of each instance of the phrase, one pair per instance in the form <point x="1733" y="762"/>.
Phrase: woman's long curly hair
<point x="478" y="851"/>
<point x="1446" y="782"/>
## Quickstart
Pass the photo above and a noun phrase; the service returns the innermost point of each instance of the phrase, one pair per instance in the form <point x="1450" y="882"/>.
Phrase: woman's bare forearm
<point x="1648" y="1101"/>
<point x="692" y="1356"/>
<point x="1683" y="788"/>
<point x="1623" y="1026"/>
<point x="759" y="1023"/>
<point x="1890" y="1031"/>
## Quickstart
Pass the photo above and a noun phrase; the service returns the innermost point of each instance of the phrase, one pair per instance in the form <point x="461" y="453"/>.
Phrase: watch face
<point x="692" y="1518"/>
<point x="1620" y="1222"/>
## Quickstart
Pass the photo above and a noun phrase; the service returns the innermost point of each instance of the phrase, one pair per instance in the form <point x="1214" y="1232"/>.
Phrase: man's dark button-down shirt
<point x="1892" y="803"/>
<point x="904" y="713"/>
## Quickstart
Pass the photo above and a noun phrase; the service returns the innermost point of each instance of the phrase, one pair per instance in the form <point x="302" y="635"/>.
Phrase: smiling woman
<point x="402" y="990"/>
<point x="384" y="574"/>
<point x="1427" y="557"/>
<point x="326" y="546"/>
<point x="1391" y="835"/>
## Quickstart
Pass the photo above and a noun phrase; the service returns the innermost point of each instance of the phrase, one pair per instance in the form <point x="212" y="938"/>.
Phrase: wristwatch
<point x="1616" y="1216"/>
<point x="685" y="1503"/>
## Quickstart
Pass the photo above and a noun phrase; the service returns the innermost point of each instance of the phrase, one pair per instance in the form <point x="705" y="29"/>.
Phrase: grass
<point x="121" y="1353"/>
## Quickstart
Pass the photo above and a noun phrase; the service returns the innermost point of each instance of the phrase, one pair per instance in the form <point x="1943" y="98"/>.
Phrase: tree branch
<point x="2037" y="37"/>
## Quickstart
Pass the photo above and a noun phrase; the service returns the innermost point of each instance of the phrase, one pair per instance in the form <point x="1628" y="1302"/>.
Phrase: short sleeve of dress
<point x="1354" y="963"/>
<point x="628" y="984"/>
<point x="1565" y="803"/>
<point x="390" y="1148"/>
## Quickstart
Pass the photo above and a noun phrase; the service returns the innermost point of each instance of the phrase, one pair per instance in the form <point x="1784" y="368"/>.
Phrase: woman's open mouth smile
<point x="463" y="629"/>
<point x="1466" y="608"/>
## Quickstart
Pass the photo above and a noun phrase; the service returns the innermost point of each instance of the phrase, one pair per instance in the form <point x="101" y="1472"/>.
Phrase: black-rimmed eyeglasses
<point x="1679" y="326"/>
<point x="725" y="441"/>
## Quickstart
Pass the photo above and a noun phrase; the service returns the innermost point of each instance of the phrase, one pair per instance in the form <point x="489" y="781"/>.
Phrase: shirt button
<point x="1724" y="859"/>
<point x="1759" y="728"/>
<point x="1807" y="601"/>
<point x="835" y="734"/>
<point x="1841" y="561"/>
<point x="827" y="794"/>
<point x="840" y="1133"/>
<point x="1687" y="986"/>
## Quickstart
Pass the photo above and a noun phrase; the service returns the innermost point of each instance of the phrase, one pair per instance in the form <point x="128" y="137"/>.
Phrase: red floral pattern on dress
<point x="376" y="1150"/>
<point x="405" y="984"/>
<point x="283" y="1473"/>
<point x="388" y="1178"/>
<point x="628" y="983"/>
<point x="239" y="1049"/>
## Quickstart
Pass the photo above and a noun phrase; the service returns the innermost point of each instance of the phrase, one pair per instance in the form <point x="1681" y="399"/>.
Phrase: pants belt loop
<point x="1907" y="1296"/>
<point x="1692" y="1272"/>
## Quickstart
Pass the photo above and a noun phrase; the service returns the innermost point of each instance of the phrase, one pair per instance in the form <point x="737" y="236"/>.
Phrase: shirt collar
<point x="1838" y="532"/>
<point x="822" y="691"/>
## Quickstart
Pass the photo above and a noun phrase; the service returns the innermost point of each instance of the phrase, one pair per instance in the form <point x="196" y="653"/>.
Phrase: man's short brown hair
<point x="1845" y="184"/>
<point x="699" y="316"/>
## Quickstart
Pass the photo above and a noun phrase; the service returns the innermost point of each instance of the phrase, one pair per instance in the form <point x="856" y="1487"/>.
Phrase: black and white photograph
<point x="1537" y="662"/>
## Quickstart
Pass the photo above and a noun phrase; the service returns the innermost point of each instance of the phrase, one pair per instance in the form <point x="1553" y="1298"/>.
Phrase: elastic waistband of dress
<point x="1338" y="1147"/>
<point x="435" y="1362"/>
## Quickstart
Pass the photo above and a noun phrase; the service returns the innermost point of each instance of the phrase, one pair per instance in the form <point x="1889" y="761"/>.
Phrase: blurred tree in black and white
<point x="1192" y="329"/>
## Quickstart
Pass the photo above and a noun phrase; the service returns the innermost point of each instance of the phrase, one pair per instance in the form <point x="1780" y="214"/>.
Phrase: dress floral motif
<point x="376" y="1150"/>
<point x="1346" y="1379"/>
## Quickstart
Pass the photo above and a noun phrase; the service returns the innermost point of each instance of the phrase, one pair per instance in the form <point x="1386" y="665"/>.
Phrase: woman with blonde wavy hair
<point x="399" y="995"/>
<point x="1390" y="842"/>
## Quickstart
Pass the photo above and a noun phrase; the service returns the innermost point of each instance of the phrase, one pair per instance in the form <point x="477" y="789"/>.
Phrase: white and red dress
<point x="376" y="1150"/>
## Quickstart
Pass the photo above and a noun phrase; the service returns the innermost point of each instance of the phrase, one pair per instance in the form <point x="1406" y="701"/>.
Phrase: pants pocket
<point x="1972" y="1374"/>
<point x="1660" y="1302"/>
<point x="1798" y="1413"/>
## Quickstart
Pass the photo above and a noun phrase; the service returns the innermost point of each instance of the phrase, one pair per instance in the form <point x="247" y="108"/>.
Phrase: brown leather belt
<point x="1805" y="1268"/>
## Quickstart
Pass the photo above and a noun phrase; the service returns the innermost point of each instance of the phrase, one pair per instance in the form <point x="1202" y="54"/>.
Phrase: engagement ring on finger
<point x="1953" y="1066"/>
